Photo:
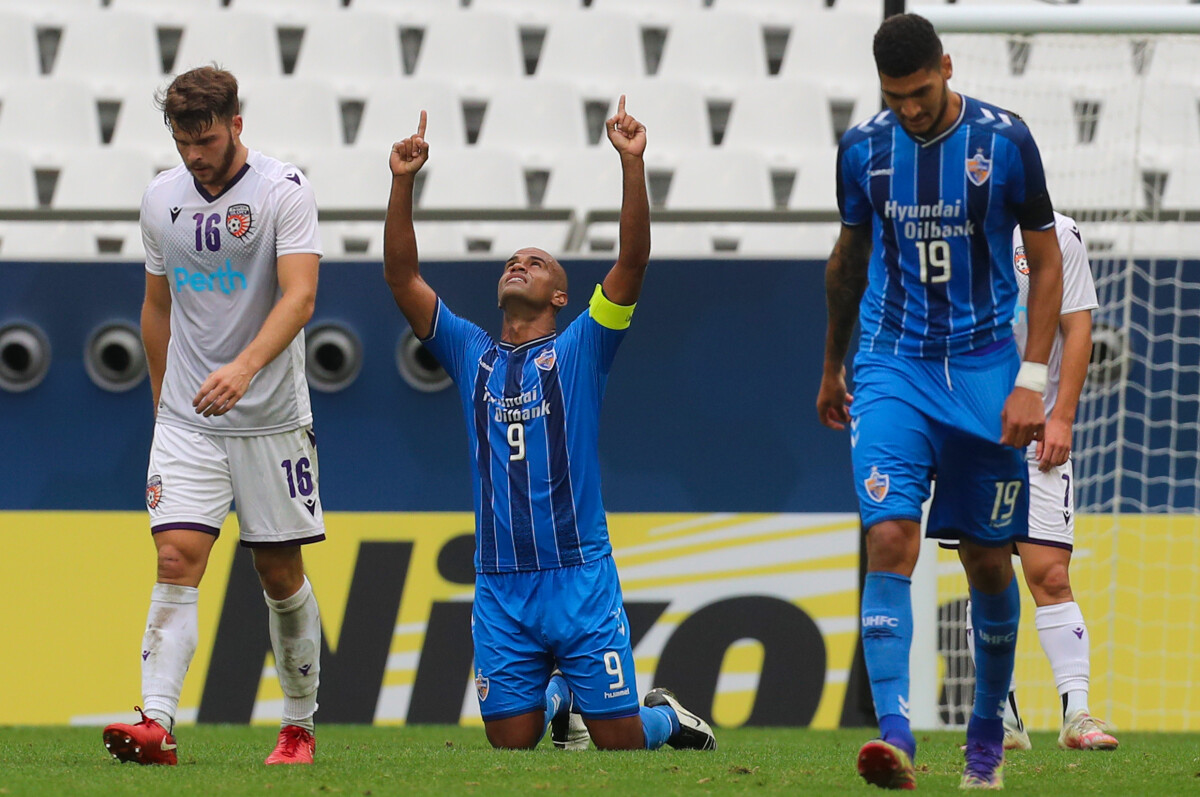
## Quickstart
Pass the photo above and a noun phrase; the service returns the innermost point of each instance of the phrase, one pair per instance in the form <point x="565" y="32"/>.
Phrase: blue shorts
<point x="916" y="418"/>
<point x="526" y="624"/>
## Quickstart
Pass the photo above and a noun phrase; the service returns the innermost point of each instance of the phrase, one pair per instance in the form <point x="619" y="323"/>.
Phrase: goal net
<point x="1117" y="118"/>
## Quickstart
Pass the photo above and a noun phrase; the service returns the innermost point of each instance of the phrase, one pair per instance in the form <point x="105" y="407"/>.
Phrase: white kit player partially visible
<point x="1046" y="553"/>
<point x="232" y="252"/>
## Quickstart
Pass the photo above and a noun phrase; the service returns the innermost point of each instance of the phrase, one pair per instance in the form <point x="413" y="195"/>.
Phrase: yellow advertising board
<point x="754" y="615"/>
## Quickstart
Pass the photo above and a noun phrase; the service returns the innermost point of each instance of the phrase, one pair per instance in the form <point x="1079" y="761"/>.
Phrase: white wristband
<point x="1032" y="376"/>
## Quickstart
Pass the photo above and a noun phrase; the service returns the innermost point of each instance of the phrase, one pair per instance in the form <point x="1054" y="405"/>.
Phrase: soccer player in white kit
<point x="232" y="252"/>
<point x="1046" y="553"/>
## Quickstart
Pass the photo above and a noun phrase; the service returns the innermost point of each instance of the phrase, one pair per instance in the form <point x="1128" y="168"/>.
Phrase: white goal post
<point x="1112" y="94"/>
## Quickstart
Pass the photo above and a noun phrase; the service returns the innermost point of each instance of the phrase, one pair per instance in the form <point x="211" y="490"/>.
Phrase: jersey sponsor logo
<point x="513" y="409"/>
<point x="481" y="685"/>
<point x="226" y="281"/>
<point x="239" y="221"/>
<point x="546" y="359"/>
<point x="154" y="491"/>
<point x="877" y="485"/>
<point x="979" y="168"/>
<point x="175" y="213"/>
<point x="1020" y="262"/>
<point x="929" y="222"/>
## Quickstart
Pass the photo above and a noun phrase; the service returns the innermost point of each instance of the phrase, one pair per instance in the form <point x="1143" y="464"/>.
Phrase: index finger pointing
<point x="421" y="125"/>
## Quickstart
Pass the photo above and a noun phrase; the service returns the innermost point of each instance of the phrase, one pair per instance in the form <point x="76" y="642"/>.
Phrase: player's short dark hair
<point x="906" y="43"/>
<point x="198" y="98"/>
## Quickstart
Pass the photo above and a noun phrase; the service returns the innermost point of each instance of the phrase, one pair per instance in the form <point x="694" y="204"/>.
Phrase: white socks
<point x="167" y="649"/>
<point x="1064" y="637"/>
<point x="296" y="639"/>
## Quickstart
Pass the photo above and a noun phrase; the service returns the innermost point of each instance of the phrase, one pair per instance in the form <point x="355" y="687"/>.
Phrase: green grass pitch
<point x="356" y="760"/>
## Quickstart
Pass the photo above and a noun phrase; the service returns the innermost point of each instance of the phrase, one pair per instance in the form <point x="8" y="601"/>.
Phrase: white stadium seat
<point x="714" y="46"/>
<point x="502" y="238"/>
<point x="49" y="114"/>
<point x="350" y="178"/>
<point x="474" y="178"/>
<point x="1087" y="178"/>
<point x="287" y="6"/>
<point x="341" y="46"/>
<point x="108" y="179"/>
<point x="290" y="118"/>
<point x="102" y="45"/>
<point x="35" y="240"/>
<point x="729" y="179"/>
<point x="435" y="239"/>
<point x="533" y="116"/>
<point x="17" y="187"/>
<point x="1091" y="60"/>
<point x="470" y="45"/>
<point x="585" y="180"/>
<point x="1174" y="59"/>
<point x="815" y="188"/>
<point x="674" y="109"/>
<point x="834" y="48"/>
<point x="813" y="240"/>
<point x="592" y="47"/>
<point x="18" y="45"/>
<point x="393" y="110"/>
<point x="780" y="117"/>
<point x="244" y="43"/>
<point x="140" y="123"/>
<point x="123" y="239"/>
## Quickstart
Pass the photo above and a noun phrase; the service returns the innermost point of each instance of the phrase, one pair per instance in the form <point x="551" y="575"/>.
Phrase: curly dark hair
<point x="199" y="97"/>
<point x="906" y="43"/>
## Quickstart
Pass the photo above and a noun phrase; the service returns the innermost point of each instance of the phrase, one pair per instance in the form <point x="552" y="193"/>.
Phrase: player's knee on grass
<point x="521" y="732"/>
<point x="619" y="734"/>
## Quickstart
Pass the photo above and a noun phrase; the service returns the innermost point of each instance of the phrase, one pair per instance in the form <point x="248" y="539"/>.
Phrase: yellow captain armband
<point x="608" y="314"/>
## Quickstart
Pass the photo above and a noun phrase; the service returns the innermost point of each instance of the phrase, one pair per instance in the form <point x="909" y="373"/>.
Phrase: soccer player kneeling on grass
<point x="549" y="625"/>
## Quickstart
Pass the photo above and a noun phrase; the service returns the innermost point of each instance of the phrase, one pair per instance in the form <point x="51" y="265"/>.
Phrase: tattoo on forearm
<point x="845" y="281"/>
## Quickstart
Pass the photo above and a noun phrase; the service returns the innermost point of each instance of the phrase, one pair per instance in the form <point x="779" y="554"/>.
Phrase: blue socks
<point x="659" y="723"/>
<point x="887" y="630"/>
<point x="558" y="699"/>
<point x="995" y="618"/>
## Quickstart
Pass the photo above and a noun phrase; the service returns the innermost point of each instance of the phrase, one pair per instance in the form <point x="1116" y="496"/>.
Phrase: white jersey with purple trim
<point x="219" y="255"/>
<point x="1078" y="294"/>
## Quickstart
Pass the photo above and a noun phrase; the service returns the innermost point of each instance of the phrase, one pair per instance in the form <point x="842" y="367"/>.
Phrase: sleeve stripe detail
<point x="607" y="313"/>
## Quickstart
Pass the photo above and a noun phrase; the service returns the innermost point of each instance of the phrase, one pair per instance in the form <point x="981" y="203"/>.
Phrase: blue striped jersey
<point x="940" y="279"/>
<point x="533" y="419"/>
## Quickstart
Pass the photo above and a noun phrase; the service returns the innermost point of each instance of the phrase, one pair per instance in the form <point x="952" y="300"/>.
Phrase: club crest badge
<point x="546" y="359"/>
<point x="154" y="491"/>
<point x="979" y="168"/>
<point x="481" y="685"/>
<point x="1020" y="262"/>
<point x="239" y="221"/>
<point x="877" y="485"/>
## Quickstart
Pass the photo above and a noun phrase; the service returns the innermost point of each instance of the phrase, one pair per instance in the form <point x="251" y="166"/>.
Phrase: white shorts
<point x="193" y="476"/>
<point x="1052" y="506"/>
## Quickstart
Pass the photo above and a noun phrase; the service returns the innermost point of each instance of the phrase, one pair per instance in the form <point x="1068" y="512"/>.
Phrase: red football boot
<point x="295" y="746"/>
<point x="147" y="742"/>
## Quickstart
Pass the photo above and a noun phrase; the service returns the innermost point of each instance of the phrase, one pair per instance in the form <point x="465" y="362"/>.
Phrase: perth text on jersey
<point x="929" y="221"/>
<point x="225" y="280"/>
